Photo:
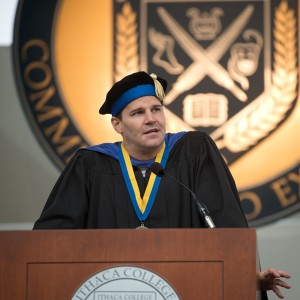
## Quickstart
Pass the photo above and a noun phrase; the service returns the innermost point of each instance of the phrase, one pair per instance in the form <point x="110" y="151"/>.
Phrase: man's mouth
<point x="154" y="130"/>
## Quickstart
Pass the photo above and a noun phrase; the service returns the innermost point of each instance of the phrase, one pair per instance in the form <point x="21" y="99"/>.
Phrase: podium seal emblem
<point x="125" y="283"/>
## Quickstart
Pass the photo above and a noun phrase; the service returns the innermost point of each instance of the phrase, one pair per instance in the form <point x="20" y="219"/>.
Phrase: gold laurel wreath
<point x="127" y="59"/>
<point x="266" y="112"/>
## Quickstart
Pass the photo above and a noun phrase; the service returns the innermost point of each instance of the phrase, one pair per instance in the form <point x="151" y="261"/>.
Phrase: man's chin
<point x="153" y="144"/>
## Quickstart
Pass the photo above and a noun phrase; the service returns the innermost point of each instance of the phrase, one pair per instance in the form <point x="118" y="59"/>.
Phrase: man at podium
<point x="152" y="179"/>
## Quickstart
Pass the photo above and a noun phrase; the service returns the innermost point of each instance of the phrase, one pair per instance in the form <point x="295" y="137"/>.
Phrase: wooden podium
<point x="208" y="264"/>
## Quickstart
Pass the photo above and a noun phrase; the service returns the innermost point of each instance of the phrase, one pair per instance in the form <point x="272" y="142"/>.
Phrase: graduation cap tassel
<point x="160" y="93"/>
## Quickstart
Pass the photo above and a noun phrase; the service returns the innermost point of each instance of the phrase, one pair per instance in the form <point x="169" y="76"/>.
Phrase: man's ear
<point x="116" y="123"/>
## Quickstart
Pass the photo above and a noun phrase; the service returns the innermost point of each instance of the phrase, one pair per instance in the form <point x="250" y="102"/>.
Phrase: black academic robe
<point x="91" y="191"/>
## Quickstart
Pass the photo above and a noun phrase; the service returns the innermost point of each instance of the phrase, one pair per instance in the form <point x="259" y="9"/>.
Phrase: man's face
<point x="142" y="125"/>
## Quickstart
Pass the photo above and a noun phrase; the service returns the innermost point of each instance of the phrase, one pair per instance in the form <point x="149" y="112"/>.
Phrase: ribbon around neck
<point x="142" y="206"/>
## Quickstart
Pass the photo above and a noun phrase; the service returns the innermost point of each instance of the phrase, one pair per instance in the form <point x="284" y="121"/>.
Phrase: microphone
<point x="158" y="170"/>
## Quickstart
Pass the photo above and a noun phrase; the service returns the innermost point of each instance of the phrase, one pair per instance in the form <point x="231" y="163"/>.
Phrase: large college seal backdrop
<point x="232" y="68"/>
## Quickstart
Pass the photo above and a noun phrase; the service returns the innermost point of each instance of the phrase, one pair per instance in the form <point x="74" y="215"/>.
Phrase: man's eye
<point x="137" y="113"/>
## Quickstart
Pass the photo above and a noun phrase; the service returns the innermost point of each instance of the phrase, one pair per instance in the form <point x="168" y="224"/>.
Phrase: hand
<point x="269" y="279"/>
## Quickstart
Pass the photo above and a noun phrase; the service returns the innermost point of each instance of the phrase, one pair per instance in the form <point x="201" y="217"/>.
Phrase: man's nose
<point x="149" y="116"/>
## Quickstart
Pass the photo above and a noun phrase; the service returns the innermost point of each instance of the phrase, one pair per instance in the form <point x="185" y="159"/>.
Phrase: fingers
<point x="277" y="291"/>
<point x="275" y="274"/>
<point x="279" y="282"/>
<point x="279" y="273"/>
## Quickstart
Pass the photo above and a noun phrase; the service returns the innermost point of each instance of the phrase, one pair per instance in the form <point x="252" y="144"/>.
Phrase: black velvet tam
<point x="127" y="83"/>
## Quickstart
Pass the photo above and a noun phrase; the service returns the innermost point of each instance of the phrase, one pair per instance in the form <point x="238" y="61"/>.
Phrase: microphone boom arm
<point x="158" y="170"/>
<point x="202" y="209"/>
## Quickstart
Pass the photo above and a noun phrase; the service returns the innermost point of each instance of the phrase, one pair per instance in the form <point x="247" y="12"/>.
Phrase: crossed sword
<point x="205" y="60"/>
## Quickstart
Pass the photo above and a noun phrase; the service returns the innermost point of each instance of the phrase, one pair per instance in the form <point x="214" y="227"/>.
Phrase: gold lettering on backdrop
<point x="37" y="66"/>
<point x="43" y="94"/>
<point x="42" y="45"/>
<point x="256" y="202"/>
<point x="295" y="177"/>
<point x="283" y="189"/>
<point x="43" y="97"/>
<point x="58" y="129"/>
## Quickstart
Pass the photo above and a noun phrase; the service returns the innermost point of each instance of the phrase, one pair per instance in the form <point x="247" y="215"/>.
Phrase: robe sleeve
<point x="68" y="201"/>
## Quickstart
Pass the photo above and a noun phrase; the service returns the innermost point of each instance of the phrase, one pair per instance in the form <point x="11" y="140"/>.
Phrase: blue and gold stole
<point x="142" y="206"/>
